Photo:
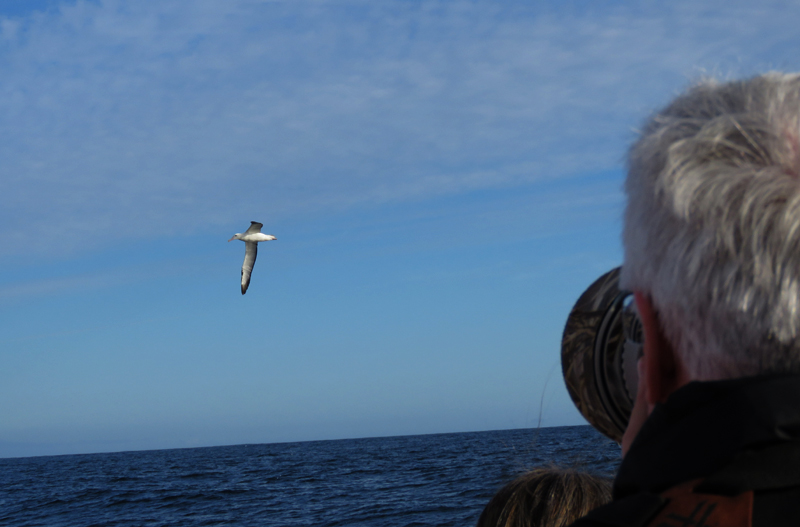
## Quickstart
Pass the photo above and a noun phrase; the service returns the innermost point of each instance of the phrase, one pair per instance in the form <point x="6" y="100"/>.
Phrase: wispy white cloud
<point x="147" y="119"/>
<point x="57" y="281"/>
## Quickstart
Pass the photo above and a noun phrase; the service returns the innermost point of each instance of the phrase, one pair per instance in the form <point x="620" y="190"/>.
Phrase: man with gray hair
<point x="712" y="253"/>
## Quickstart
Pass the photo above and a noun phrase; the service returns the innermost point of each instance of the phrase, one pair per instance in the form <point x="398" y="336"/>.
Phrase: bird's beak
<point x="233" y="238"/>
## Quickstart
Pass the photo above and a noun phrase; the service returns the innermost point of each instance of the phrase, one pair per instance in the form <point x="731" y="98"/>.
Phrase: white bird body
<point x="256" y="237"/>
<point x="251" y="237"/>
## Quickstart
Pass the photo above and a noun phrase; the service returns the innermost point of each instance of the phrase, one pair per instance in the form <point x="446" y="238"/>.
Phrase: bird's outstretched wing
<point x="254" y="227"/>
<point x="250" y="252"/>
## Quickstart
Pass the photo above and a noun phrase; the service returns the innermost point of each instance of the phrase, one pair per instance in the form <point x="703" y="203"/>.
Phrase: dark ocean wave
<point x="432" y="480"/>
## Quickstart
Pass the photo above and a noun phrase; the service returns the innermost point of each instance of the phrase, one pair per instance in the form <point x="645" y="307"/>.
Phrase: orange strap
<point x="686" y="508"/>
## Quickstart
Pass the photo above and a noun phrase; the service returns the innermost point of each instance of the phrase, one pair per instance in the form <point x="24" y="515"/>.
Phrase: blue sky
<point x="444" y="179"/>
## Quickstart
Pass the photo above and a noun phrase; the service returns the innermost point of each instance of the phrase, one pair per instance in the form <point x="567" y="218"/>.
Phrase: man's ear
<point x="663" y="369"/>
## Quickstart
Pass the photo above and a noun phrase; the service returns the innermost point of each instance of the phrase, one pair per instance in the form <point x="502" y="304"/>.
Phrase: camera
<point x="600" y="349"/>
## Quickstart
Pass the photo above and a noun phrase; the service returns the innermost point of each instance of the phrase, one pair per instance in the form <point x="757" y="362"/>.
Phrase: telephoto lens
<point x="600" y="349"/>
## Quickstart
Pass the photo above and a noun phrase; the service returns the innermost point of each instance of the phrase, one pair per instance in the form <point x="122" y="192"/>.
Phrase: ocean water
<point x="427" y="480"/>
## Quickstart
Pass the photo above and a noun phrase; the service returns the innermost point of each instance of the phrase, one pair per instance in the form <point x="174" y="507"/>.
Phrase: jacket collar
<point x="704" y="425"/>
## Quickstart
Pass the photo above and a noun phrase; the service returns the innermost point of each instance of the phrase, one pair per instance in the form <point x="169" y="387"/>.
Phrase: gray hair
<point x="712" y="225"/>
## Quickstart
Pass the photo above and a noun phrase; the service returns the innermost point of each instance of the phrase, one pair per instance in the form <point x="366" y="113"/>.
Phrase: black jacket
<point x="730" y="437"/>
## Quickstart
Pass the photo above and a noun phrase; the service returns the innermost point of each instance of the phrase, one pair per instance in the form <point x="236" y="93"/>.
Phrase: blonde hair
<point x="546" y="497"/>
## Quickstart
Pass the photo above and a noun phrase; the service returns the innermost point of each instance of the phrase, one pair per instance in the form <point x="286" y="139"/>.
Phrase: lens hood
<point x="599" y="353"/>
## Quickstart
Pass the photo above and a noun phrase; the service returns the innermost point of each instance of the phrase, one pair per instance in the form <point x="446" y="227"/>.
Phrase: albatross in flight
<point x="251" y="237"/>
